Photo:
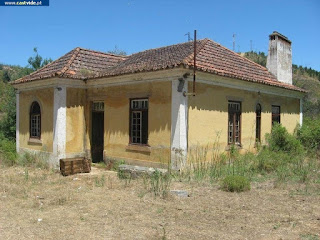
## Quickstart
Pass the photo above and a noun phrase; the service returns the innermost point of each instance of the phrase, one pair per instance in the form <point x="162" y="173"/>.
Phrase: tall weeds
<point x="284" y="157"/>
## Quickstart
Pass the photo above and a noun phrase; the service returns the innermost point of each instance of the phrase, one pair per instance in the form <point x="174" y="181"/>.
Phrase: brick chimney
<point x="279" y="61"/>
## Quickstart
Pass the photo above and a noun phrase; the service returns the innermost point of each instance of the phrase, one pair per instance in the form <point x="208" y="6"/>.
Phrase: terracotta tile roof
<point x="215" y="58"/>
<point x="79" y="63"/>
<point x="154" y="59"/>
<point x="211" y="57"/>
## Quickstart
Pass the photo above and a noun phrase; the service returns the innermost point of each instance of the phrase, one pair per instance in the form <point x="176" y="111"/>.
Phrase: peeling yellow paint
<point x="208" y="115"/>
<point x="116" y="135"/>
<point x="45" y="98"/>
<point x="75" y="120"/>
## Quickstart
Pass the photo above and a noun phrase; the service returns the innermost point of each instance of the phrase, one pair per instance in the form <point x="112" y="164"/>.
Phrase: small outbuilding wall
<point x="45" y="99"/>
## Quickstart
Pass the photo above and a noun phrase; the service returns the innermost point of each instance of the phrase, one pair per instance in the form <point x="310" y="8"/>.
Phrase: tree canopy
<point x="37" y="61"/>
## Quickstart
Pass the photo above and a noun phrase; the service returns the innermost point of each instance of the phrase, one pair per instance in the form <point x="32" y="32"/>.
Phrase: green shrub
<point x="115" y="164"/>
<point x="100" y="182"/>
<point x="160" y="183"/>
<point x="280" y="140"/>
<point x="8" y="151"/>
<point x="266" y="161"/>
<point x="37" y="160"/>
<point x="8" y="107"/>
<point x="309" y="133"/>
<point x="234" y="183"/>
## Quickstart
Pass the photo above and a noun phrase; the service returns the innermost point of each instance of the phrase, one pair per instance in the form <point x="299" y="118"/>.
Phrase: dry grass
<point x="41" y="204"/>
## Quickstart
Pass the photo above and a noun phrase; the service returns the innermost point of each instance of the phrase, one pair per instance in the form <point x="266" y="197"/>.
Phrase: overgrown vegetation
<point x="8" y="154"/>
<point x="159" y="183"/>
<point x="234" y="183"/>
<point x="117" y="51"/>
<point x="9" y="157"/>
<point x="309" y="134"/>
<point x="286" y="158"/>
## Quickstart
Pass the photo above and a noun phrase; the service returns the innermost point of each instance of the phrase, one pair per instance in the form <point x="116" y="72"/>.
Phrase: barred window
<point x="234" y="122"/>
<point x="98" y="106"/>
<point x="139" y="121"/>
<point x="275" y="114"/>
<point x="35" y="120"/>
<point x="258" y="122"/>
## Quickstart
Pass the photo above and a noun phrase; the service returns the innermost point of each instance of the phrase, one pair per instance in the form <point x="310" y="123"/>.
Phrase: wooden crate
<point x="69" y="166"/>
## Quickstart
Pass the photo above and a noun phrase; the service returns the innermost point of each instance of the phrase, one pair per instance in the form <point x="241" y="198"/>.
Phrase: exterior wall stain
<point x="45" y="99"/>
<point x="208" y="116"/>
<point x="75" y="120"/>
<point x="116" y="135"/>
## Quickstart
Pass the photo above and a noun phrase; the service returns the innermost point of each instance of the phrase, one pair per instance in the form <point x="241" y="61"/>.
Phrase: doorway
<point x="97" y="143"/>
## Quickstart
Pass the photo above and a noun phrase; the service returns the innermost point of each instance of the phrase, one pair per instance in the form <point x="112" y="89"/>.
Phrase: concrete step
<point x="136" y="171"/>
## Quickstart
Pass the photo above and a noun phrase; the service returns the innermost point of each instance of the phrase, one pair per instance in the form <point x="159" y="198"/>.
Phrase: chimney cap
<point x="275" y="33"/>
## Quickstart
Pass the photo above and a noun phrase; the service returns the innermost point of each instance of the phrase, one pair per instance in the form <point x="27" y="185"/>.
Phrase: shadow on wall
<point x="215" y="98"/>
<point x="116" y="115"/>
<point x="46" y="108"/>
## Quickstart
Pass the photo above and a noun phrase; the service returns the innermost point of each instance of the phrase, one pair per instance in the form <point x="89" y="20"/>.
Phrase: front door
<point x="97" y="132"/>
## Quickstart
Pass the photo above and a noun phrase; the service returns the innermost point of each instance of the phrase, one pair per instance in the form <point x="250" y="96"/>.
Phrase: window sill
<point x="139" y="148"/>
<point x="237" y="146"/>
<point x="35" y="141"/>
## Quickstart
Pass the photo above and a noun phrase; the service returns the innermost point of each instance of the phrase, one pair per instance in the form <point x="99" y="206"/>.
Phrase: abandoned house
<point x="146" y="108"/>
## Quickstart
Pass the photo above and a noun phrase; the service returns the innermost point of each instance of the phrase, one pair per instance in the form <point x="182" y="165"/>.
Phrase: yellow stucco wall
<point x="208" y="115"/>
<point x="208" y="118"/>
<point x="45" y="98"/>
<point x="76" y="99"/>
<point x="116" y="119"/>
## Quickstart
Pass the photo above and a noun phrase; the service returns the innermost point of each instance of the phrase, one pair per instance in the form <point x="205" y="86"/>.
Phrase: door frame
<point x="92" y="110"/>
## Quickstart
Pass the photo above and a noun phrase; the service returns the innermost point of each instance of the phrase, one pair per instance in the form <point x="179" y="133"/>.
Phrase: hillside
<point x="10" y="72"/>
<point x="303" y="77"/>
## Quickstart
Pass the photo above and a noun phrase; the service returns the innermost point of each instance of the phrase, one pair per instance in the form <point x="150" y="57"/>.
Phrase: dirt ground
<point x="41" y="204"/>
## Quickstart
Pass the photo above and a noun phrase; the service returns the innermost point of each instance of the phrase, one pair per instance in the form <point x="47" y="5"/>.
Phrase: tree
<point x="7" y="93"/>
<point x="8" y="107"/>
<point x="6" y="75"/>
<point x="37" y="61"/>
<point x="117" y="51"/>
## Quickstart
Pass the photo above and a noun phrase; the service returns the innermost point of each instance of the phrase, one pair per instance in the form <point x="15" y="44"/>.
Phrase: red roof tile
<point x="79" y="63"/>
<point x="211" y="57"/>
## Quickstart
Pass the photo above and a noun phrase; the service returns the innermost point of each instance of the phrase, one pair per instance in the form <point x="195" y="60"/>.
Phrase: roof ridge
<point x="203" y="42"/>
<point x="68" y="64"/>
<point x="106" y="53"/>
<point x="172" y="45"/>
<point x="233" y="52"/>
<point x="40" y="69"/>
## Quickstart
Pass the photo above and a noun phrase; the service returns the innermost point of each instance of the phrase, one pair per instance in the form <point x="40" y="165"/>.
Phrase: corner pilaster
<point x="17" y="121"/>
<point x="59" y="123"/>
<point x="301" y="111"/>
<point x="179" y="124"/>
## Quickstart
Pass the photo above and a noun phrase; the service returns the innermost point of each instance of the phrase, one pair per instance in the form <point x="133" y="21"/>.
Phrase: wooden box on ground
<point x="69" y="166"/>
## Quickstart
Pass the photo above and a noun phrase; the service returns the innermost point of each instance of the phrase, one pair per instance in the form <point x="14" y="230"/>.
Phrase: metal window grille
<point x="139" y="118"/>
<point x="275" y="114"/>
<point x="35" y="125"/>
<point x="136" y="126"/>
<point x="139" y="104"/>
<point x="35" y="120"/>
<point x="234" y="127"/>
<point x="98" y="106"/>
<point x="258" y="122"/>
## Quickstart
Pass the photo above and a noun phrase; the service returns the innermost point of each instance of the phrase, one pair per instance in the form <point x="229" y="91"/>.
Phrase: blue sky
<point x="136" y="25"/>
